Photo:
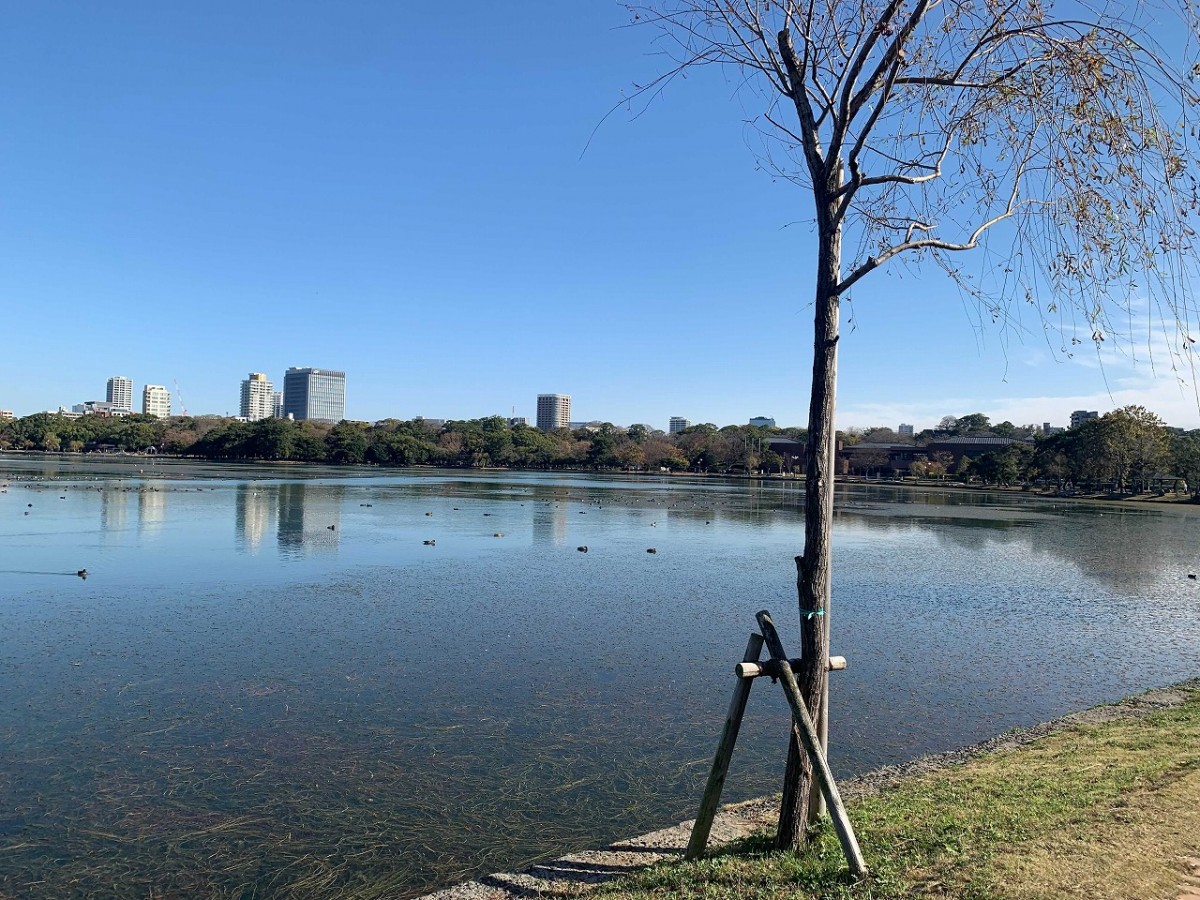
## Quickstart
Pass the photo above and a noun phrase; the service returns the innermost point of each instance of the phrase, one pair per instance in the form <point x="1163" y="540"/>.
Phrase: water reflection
<point x="309" y="518"/>
<point x="114" y="509"/>
<point x="549" y="522"/>
<point x="152" y="510"/>
<point x="254" y="514"/>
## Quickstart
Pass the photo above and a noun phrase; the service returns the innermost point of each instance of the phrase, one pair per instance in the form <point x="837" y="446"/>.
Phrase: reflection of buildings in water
<point x="114" y="509"/>
<point x="549" y="522"/>
<point x="253" y="512"/>
<point x="306" y="514"/>
<point x="152" y="509"/>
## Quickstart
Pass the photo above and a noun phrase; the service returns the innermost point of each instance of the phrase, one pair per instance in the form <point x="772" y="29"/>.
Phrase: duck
<point x="582" y="549"/>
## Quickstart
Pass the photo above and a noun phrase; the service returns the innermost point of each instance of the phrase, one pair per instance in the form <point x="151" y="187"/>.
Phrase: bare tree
<point x="1056" y="138"/>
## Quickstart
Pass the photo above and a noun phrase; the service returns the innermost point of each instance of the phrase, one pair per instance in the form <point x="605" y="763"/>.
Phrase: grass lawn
<point x="1099" y="811"/>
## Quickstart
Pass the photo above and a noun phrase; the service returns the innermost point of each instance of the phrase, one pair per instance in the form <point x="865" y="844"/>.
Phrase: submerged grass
<point x="1109" y="810"/>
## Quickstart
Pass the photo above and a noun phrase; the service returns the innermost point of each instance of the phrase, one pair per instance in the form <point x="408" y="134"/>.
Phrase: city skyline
<point x="259" y="400"/>
<point x="390" y="242"/>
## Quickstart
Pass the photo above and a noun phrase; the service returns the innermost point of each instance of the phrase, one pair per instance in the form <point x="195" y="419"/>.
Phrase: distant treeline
<point x="1126" y="450"/>
<point x="473" y="443"/>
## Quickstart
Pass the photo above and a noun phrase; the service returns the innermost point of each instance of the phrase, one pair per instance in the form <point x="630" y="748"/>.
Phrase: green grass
<point x="1098" y="811"/>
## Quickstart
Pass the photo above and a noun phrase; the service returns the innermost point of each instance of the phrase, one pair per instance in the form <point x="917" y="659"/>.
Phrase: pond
<point x="270" y="685"/>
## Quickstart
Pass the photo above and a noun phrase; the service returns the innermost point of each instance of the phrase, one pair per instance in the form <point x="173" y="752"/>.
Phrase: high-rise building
<point x="277" y="405"/>
<point x="905" y="430"/>
<point x="156" y="401"/>
<point x="678" y="424"/>
<point x="258" y="397"/>
<point x="1082" y="415"/>
<point x="553" y="411"/>
<point x="314" y="394"/>
<point x="120" y="392"/>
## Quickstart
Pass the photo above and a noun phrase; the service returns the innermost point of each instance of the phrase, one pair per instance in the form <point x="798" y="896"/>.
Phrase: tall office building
<point x="1082" y="415"/>
<point x="258" y="396"/>
<point x="314" y="394"/>
<point x="156" y="401"/>
<point x="553" y="411"/>
<point x="905" y="430"/>
<point x="277" y="405"/>
<point x="678" y="424"/>
<point x="120" y="392"/>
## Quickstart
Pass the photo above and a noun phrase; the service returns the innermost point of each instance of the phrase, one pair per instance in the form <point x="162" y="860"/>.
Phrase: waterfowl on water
<point x="582" y="549"/>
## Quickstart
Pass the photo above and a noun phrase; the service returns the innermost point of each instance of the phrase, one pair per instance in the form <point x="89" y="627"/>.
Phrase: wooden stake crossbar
<point x="770" y="668"/>
<point x="812" y="744"/>
<point x="778" y="667"/>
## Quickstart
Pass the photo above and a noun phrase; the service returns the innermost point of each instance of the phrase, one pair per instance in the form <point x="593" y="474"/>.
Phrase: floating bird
<point x="82" y="573"/>
<point x="429" y="514"/>
<point x="582" y="549"/>
<point x="430" y="543"/>
<point x="331" y="527"/>
<point x="498" y="534"/>
<point x="1191" y="576"/>
<point x="651" y="549"/>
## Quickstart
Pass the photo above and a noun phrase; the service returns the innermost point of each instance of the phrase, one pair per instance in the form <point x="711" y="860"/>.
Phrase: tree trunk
<point x="814" y="568"/>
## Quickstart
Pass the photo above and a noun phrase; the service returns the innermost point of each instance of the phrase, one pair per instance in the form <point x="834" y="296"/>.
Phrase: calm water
<point x="269" y="686"/>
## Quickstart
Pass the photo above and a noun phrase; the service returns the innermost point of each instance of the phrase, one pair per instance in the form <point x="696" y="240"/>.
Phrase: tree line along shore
<point x="1126" y="451"/>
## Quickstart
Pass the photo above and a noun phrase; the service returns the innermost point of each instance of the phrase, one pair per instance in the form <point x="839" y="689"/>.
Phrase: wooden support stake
<point x="812" y="744"/>
<point x="770" y="668"/>
<point x="720" y="767"/>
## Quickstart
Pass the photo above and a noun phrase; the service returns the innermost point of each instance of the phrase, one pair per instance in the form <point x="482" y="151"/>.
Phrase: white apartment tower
<point x="156" y="401"/>
<point x="120" y="392"/>
<point x="553" y="411"/>
<point x="258" y="397"/>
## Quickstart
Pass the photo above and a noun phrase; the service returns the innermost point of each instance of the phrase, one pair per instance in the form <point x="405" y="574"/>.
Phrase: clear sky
<point x="195" y="191"/>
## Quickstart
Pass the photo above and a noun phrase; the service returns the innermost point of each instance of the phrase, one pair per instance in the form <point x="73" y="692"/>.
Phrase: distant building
<point x="517" y="420"/>
<point x="277" y="405"/>
<point x="553" y="411"/>
<point x="156" y="401"/>
<point x="120" y="393"/>
<point x="1048" y="429"/>
<point x="100" y="408"/>
<point x="678" y="424"/>
<point x="6" y="415"/>
<point x="762" y="422"/>
<point x="905" y="430"/>
<point x="1082" y="415"/>
<point x="258" y="398"/>
<point x="318" y="394"/>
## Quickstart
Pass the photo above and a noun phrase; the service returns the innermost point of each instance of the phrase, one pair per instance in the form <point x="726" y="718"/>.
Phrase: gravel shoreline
<point x="735" y="821"/>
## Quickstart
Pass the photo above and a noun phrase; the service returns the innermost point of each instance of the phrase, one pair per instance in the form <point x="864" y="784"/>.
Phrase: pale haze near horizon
<point x="433" y="200"/>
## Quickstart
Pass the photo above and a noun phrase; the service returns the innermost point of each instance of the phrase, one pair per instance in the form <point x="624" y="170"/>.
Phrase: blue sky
<point x="194" y="191"/>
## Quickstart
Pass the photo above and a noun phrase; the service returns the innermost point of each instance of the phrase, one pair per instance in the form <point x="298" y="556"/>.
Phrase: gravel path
<point x="738" y="820"/>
